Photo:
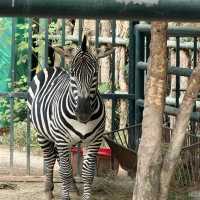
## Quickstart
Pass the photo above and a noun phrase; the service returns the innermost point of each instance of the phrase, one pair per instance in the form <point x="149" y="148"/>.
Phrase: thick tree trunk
<point x="149" y="154"/>
<point x="179" y="133"/>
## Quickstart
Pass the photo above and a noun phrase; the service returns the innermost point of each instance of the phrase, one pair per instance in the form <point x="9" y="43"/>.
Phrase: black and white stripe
<point x="66" y="109"/>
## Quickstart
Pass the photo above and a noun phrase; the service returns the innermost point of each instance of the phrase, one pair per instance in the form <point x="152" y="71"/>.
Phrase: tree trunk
<point x="120" y="62"/>
<point x="149" y="153"/>
<point x="179" y="133"/>
<point x="105" y="27"/>
<point x="184" y="63"/>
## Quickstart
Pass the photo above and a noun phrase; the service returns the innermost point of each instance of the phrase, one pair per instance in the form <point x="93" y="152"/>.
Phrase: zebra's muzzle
<point x="83" y="110"/>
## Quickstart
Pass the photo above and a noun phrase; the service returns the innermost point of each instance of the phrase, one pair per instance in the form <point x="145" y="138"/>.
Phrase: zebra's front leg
<point x="88" y="170"/>
<point x="65" y="170"/>
<point x="49" y="154"/>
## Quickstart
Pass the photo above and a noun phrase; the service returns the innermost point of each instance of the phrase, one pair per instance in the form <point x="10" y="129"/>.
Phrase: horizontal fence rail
<point x="172" y="31"/>
<point x="121" y="9"/>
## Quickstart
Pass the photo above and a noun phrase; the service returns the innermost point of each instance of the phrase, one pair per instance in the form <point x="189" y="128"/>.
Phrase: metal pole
<point x="131" y="88"/>
<point x="170" y="110"/>
<point x="177" y="65"/>
<point x="171" y="31"/>
<point x="63" y="42"/>
<point x="114" y="102"/>
<point x="11" y="99"/>
<point x="179" y="71"/>
<point x="28" y="137"/>
<point x="46" y="51"/>
<point x="193" y="123"/>
<point x="79" y="146"/>
<point x="139" y="80"/>
<point x="113" y="118"/>
<point x="116" y="9"/>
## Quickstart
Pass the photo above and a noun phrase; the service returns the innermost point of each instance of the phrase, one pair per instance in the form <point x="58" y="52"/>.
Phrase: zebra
<point x="66" y="109"/>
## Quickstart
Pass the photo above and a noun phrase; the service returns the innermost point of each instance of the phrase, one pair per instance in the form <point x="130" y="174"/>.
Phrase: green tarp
<point x="5" y="52"/>
<point x="5" y="61"/>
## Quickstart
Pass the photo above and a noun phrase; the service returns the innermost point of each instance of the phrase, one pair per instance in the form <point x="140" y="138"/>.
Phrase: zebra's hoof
<point x="85" y="197"/>
<point x="49" y="195"/>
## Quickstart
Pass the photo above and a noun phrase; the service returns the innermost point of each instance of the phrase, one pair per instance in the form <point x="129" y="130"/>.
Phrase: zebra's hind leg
<point x="65" y="170"/>
<point x="88" y="170"/>
<point x="49" y="154"/>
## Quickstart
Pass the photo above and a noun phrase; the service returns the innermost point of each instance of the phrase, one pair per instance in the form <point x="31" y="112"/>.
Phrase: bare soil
<point x="106" y="188"/>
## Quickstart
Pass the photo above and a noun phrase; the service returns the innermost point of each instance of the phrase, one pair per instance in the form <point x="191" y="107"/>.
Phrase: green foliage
<point x="20" y="136"/>
<point x="20" y="113"/>
<point x="20" y="106"/>
<point x="104" y="87"/>
<point x="4" y="112"/>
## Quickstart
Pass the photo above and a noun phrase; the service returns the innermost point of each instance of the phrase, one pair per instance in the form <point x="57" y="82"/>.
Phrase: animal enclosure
<point x="124" y="104"/>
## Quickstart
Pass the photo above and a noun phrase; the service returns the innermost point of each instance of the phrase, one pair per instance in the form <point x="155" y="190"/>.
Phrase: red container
<point x="104" y="163"/>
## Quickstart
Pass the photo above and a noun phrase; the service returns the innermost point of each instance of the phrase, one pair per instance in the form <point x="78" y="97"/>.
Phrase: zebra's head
<point x="84" y="81"/>
<point x="84" y="77"/>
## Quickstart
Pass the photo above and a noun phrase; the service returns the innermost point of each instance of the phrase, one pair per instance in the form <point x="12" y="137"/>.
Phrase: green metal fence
<point x="142" y="35"/>
<point x="112" y="95"/>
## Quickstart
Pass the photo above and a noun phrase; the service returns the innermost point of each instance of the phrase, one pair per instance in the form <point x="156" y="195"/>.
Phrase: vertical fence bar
<point x="63" y="43"/>
<point x="114" y="101"/>
<point x="195" y="53"/>
<point x="45" y="26"/>
<point x="97" y="42"/>
<point x="80" y="32"/>
<point x="46" y="43"/>
<point x="139" y="81"/>
<point x="41" y="53"/>
<point x="177" y="65"/>
<point x="193" y="123"/>
<point x="131" y="88"/>
<point x="97" y="33"/>
<point x="28" y="137"/>
<point x="113" y="75"/>
<point x="79" y="146"/>
<point x="11" y="99"/>
<point x="148" y="40"/>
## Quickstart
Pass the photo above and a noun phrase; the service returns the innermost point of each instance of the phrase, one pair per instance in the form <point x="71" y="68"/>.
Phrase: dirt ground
<point x="107" y="188"/>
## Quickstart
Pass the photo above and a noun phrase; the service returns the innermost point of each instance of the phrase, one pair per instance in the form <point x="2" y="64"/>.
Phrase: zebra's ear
<point x="84" y="44"/>
<point x="59" y="50"/>
<point x="67" y="52"/>
<point x="102" y="53"/>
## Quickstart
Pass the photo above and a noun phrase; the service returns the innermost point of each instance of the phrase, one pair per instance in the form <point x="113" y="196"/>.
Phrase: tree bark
<point x="179" y="133"/>
<point x="149" y="153"/>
